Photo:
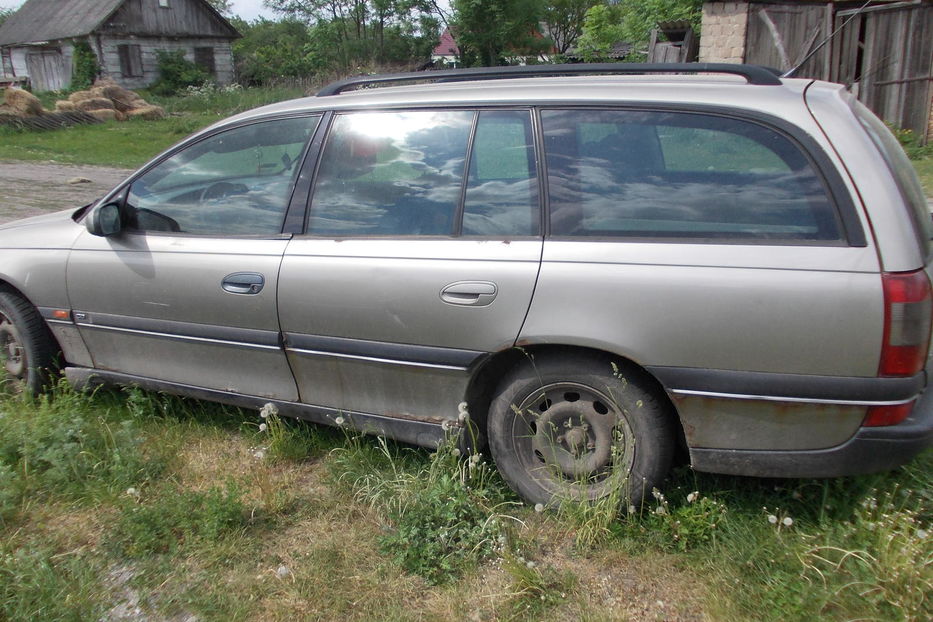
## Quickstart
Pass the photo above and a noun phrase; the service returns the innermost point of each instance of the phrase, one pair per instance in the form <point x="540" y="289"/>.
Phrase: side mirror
<point x="104" y="220"/>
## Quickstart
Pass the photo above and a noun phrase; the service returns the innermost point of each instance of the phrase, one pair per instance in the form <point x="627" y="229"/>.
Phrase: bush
<point x="176" y="73"/>
<point x="86" y="66"/>
<point x="912" y="144"/>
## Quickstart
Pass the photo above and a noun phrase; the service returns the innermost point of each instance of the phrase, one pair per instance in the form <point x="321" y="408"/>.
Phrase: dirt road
<point x="32" y="188"/>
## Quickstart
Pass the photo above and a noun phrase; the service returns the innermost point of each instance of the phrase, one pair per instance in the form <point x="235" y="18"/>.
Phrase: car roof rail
<point x="754" y="74"/>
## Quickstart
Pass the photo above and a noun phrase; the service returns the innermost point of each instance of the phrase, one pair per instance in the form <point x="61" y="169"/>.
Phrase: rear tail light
<point x="908" y="305"/>
<point x="887" y="415"/>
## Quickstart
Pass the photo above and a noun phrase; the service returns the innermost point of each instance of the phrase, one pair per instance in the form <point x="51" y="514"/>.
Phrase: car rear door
<point x="411" y="271"/>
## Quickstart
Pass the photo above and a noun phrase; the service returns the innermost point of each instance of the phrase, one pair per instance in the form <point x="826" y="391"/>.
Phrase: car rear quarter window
<point x="502" y="189"/>
<point x="391" y="174"/>
<point x="653" y="174"/>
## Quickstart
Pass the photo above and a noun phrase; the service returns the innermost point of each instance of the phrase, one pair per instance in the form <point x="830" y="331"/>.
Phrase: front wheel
<point x="27" y="349"/>
<point x="573" y="427"/>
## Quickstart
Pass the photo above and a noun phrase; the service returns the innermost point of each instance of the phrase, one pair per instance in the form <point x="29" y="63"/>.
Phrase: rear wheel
<point x="27" y="349"/>
<point x="580" y="428"/>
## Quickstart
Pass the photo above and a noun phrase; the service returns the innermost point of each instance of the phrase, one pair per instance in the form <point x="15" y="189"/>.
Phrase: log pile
<point x="105" y="101"/>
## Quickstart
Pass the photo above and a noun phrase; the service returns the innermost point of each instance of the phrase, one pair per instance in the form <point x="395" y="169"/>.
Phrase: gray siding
<point x="223" y="57"/>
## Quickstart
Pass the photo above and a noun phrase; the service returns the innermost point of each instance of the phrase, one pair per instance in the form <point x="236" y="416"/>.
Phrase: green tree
<point x="4" y="14"/>
<point x="269" y="50"/>
<point x="631" y="21"/>
<point x="364" y="31"/>
<point x="487" y="29"/>
<point x="564" y="20"/>
<point x="224" y="7"/>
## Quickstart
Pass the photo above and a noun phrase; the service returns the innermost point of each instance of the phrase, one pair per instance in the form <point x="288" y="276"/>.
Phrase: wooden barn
<point x="882" y="49"/>
<point x="37" y="41"/>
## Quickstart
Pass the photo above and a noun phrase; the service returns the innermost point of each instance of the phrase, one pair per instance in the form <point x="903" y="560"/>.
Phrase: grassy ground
<point x="925" y="171"/>
<point x="133" y="504"/>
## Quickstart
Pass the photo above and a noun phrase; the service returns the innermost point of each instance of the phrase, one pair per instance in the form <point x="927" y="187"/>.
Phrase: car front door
<point x="186" y="292"/>
<point x="420" y="257"/>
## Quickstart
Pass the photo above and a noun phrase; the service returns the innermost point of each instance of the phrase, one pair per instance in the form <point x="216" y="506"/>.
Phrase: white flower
<point x="339" y="420"/>
<point x="788" y="521"/>
<point x="262" y="427"/>
<point x="922" y="534"/>
<point x="772" y="519"/>
<point x="539" y="507"/>
<point x="693" y="496"/>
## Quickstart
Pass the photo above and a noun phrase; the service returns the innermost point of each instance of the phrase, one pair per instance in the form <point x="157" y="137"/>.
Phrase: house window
<point x="204" y="58"/>
<point x="6" y="68"/>
<point x="164" y="4"/>
<point x="131" y="61"/>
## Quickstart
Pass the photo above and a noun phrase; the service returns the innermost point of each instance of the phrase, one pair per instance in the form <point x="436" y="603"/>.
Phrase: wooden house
<point x="38" y="40"/>
<point x="882" y="49"/>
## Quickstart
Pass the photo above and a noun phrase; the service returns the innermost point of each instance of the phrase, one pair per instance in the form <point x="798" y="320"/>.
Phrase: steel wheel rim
<point x="574" y="440"/>
<point x="12" y="350"/>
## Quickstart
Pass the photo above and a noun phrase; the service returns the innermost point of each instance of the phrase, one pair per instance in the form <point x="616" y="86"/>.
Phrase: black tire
<point x="576" y="427"/>
<point x="27" y="349"/>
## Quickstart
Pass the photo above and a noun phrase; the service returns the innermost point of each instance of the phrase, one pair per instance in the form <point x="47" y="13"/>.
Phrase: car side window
<point x="391" y="174"/>
<point x="502" y="188"/>
<point x="643" y="174"/>
<point x="236" y="182"/>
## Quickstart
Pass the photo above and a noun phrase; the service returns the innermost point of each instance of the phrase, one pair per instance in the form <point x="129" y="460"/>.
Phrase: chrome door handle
<point x="243" y="283"/>
<point x="469" y="293"/>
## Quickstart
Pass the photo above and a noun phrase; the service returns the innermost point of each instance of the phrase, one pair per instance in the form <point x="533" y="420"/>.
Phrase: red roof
<point x="447" y="46"/>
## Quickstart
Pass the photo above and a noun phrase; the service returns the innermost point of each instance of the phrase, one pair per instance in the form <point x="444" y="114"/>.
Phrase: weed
<point x="534" y="590"/>
<point x="590" y="521"/>
<point x="178" y="517"/>
<point x="449" y="521"/>
<point x="36" y="584"/>
<point x="882" y="556"/>
<point x="68" y="443"/>
<point x="284" y="441"/>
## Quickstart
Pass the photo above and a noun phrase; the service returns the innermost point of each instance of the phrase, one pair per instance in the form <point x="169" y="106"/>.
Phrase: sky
<point x="247" y="9"/>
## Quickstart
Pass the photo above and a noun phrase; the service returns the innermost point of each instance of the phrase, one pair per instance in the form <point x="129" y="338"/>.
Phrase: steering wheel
<point x="222" y="190"/>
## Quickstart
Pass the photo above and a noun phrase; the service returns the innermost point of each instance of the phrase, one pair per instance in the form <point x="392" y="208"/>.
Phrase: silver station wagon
<point x="607" y="270"/>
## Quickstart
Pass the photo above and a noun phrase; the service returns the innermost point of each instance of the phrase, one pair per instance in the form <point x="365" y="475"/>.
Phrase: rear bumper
<point x="870" y="450"/>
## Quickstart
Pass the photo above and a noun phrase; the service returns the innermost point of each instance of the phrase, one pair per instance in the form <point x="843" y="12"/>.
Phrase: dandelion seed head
<point x="539" y="507"/>
<point x="772" y="519"/>
<point x="262" y="427"/>
<point x="631" y="509"/>
<point x="693" y="496"/>
<point x="132" y="492"/>
<point x="268" y="409"/>
<point x="922" y="534"/>
<point x="339" y="420"/>
<point x="788" y="521"/>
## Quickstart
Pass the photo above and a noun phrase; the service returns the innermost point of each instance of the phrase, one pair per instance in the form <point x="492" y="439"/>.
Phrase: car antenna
<point x="790" y="72"/>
